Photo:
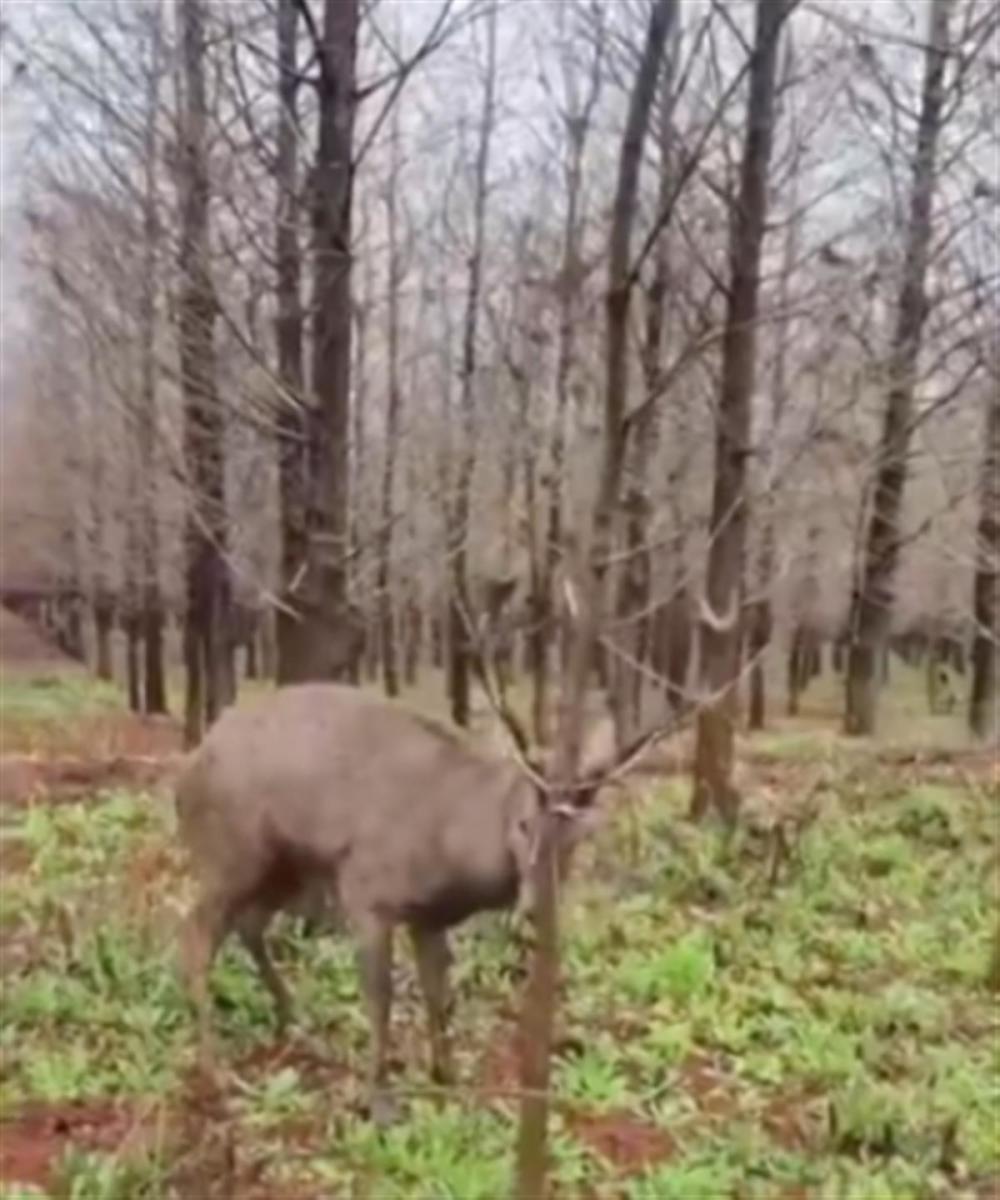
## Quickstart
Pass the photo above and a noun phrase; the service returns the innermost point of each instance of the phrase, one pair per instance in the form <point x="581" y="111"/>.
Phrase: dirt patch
<point x="22" y="645"/>
<point x="102" y="735"/>
<point x="500" y="1068"/>
<point x="316" y="1069"/>
<point x="628" y="1143"/>
<point x="710" y="1086"/>
<point x="33" y="1143"/>
<point x="791" y="1121"/>
<point x="951" y="767"/>
<point x="26" y="778"/>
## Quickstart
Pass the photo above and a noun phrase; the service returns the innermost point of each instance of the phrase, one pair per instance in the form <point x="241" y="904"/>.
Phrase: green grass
<point x="831" y="1036"/>
<point x="54" y="697"/>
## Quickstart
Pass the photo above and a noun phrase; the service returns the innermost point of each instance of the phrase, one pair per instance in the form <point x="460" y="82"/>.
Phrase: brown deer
<point x="322" y="786"/>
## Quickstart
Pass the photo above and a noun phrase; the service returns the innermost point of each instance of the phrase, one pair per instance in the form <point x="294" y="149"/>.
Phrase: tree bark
<point x="983" y="720"/>
<point x="873" y="599"/>
<point x="390" y="664"/>
<point x="104" y="611"/>
<point x="761" y="614"/>
<point x="638" y="621"/>
<point x="538" y="1017"/>
<point x="133" y="647"/>
<point x="460" y="613"/>
<point x="713" y="786"/>
<point x="327" y="640"/>
<point x="208" y="654"/>
<point x="576" y="124"/>
<point x="293" y="480"/>
<point x="154" y="675"/>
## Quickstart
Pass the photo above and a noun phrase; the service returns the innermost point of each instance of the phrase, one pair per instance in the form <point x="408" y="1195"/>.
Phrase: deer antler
<point x="496" y="697"/>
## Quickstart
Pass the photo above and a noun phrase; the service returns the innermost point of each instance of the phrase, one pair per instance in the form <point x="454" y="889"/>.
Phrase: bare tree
<point x="761" y="621"/>
<point x="459" y="606"/>
<point x="872" y="602"/>
<point x="713" y="770"/>
<point x="293" y="429"/>
<point x="325" y="640"/>
<point x="390" y="665"/>
<point x="154" y="672"/>
<point x="986" y="594"/>
<point x="207" y="653"/>
<point x="576" y="117"/>
<point x="540" y="1000"/>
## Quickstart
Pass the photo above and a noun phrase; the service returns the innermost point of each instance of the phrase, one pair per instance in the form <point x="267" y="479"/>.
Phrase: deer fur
<point x="322" y="786"/>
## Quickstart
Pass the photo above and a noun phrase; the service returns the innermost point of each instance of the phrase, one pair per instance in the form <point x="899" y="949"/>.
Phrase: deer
<point x="323" y="789"/>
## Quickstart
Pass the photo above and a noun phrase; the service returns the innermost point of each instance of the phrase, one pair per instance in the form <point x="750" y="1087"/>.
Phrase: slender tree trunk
<point x="576" y="121"/>
<point x="983" y="716"/>
<point x="154" y="674"/>
<point x="252" y="667"/>
<point x="538" y="1016"/>
<point x="133" y="659"/>
<point x="460" y="613"/>
<point x="413" y="641"/>
<point x="293" y="479"/>
<point x="761" y="614"/>
<point x="208" y="656"/>
<point x="993" y="971"/>
<point x="327" y="639"/>
<point x="103" y="622"/>
<point x="390" y="667"/>
<point x="872" y="603"/>
<point x="713" y="785"/>
<point x="636" y="615"/>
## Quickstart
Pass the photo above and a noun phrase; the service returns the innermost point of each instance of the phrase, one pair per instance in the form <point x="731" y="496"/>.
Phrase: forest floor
<point x="823" y="1036"/>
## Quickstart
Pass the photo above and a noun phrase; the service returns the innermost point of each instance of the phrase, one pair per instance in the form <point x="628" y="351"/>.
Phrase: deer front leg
<point x="200" y="937"/>
<point x="252" y="926"/>
<point x="433" y="960"/>
<point x="375" y="963"/>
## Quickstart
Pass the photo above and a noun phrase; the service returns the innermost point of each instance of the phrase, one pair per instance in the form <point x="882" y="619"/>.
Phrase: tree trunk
<point x="761" y="616"/>
<point x="210" y="683"/>
<point x="460" y="613"/>
<point x="713" y="785"/>
<point x="983" y="720"/>
<point x="413" y="641"/>
<point x="538" y="1015"/>
<point x="872" y="602"/>
<point x="390" y="667"/>
<point x="635" y="588"/>
<point x="325" y="643"/>
<point x="133" y="657"/>
<point x="576" y="122"/>
<point x="293" y="425"/>
<point x="74" y="629"/>
<point x="103" y="622"/>
<point x="154" y="677"/>
<point x="795" y="671"/>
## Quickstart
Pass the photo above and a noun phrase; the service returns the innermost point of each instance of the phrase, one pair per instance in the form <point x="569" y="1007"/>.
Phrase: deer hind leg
<point x="251" y="925"/>
<point x="375" y="964"/>
<point x="200" y="938"/>
<point x="433" y="960"/>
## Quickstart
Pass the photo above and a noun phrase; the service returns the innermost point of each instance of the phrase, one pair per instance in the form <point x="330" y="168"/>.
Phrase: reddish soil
<point x="95" y="735"/>
<point x="710" y="1087"/>
<point x="317" y="1070"/>
<point x="790" y="1121"/>
<point x="33" y="1143"/>
<point x="26" y="778"/>
<point x="627" y="1142"/>
<point x="500" y="1068"/>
